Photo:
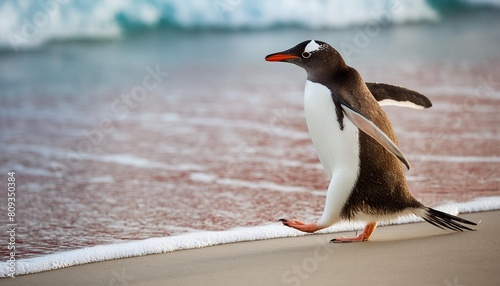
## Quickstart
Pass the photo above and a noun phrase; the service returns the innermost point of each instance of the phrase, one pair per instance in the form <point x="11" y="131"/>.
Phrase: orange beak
<point x="278" y="57"/>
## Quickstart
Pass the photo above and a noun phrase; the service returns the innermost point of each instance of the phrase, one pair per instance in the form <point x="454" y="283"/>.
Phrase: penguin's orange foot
<point x="305" y="227"/>
<point x="363" y="236"/>
<point x="348" y="239"/>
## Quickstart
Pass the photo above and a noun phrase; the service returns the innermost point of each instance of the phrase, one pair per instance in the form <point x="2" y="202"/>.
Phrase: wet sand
<point x="411" y="254"/>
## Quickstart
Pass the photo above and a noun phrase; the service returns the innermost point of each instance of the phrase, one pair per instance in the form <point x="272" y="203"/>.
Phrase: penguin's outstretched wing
<point x="387" y="94"/>
<point x="367" y="126"/>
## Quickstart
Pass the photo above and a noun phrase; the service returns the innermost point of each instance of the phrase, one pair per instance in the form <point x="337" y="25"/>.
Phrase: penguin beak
<point x="280" y="57"/>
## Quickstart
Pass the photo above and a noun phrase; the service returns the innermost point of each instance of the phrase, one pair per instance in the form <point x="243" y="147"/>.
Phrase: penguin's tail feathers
<point x="444" y="220"/>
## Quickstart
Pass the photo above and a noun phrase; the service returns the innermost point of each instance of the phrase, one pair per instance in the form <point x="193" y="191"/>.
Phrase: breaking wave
<point x="25" y="24"/>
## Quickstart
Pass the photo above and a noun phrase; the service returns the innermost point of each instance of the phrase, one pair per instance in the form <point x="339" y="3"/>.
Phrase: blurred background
<point x="126" y="120"/>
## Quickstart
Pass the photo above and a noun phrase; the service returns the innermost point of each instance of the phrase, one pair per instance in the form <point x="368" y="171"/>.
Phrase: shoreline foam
<point x="205" y="239"/>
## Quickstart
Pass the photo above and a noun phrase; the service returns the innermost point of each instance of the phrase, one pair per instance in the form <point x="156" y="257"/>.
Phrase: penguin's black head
<point x="318" y="58"/>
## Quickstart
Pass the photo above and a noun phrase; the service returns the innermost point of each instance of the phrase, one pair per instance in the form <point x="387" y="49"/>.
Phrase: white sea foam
<point x="101" y="180"/>
<point x="454" y="136"/>
<point x="32" y="23"/>
<point x="268" y="128"/>
<point x="455" y="159"/>
<point x="261" y="185"/>
<point x="119" y="159"/>
<point x="202" y="177"/>
<point x="129" y="160"/>
<point x="479" y="91"/>
<point x="30" y="171"/>
<point x="204" y="239"/>
<point x="125" y="159"/>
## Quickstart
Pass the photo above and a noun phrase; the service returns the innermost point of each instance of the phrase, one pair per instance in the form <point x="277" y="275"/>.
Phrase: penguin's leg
<point x="305" y="227"/>
<point x="363" y="236"/>
<point x="336" y="196"/>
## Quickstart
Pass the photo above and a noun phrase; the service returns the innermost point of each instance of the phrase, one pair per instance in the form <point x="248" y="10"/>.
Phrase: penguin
<point x="356" y="144"/>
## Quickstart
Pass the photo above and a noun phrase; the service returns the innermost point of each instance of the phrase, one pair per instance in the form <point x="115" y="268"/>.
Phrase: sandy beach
<point x="411" y="254"/>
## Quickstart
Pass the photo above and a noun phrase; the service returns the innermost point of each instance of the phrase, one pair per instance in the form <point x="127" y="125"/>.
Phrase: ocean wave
<point x="25" y="24"/>
<point x="205" y="239"/>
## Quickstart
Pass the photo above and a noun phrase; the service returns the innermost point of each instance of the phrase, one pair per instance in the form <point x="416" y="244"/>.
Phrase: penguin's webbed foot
<point x="343" y="239"/>
<point x="298" y="225"/>
<point x="363" y="236"/>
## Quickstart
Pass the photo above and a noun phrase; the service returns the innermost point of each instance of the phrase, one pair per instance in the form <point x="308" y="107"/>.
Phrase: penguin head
<point x="316" y="57"/>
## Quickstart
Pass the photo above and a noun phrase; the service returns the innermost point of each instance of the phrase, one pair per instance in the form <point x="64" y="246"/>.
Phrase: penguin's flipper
<point x="387" y="94"/>
<point x="367" y="126"/>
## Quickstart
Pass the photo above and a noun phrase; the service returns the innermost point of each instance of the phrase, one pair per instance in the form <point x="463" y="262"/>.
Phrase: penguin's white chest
<point x="338" y="150"/>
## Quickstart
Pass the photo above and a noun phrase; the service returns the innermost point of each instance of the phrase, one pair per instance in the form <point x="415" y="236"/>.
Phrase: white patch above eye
<point x="311" y="47"/>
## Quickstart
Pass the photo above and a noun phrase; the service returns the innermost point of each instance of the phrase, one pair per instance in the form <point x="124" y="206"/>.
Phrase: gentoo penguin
<point x="356" y="144"/>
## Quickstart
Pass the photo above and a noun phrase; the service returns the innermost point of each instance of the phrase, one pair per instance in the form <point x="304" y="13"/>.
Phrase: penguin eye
<point x="306" y="55"/>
